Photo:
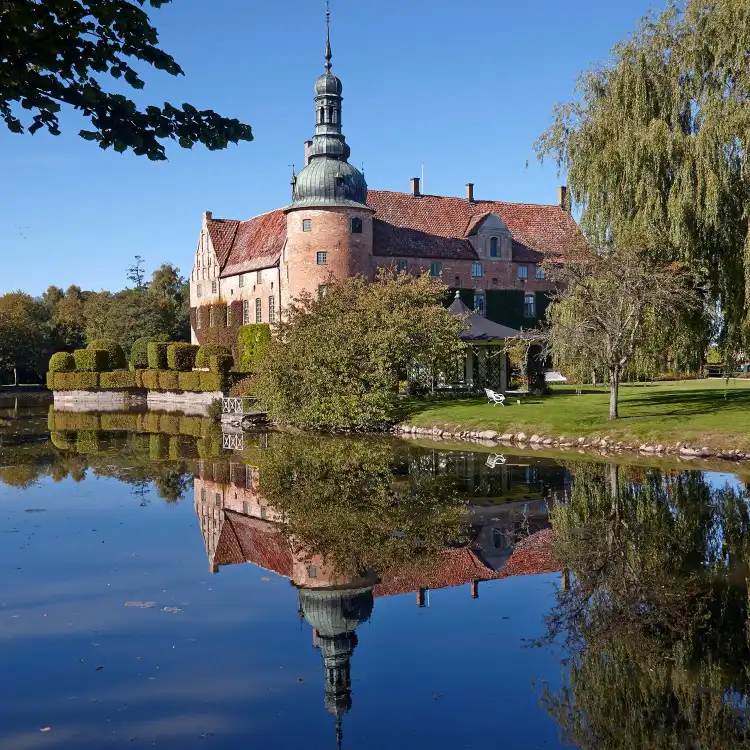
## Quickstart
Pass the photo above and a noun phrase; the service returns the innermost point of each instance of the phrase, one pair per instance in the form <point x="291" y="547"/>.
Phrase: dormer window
<point x="493" y="247"/>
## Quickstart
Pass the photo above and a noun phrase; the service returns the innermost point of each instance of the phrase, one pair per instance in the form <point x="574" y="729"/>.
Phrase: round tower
<point x="329" y="224"/>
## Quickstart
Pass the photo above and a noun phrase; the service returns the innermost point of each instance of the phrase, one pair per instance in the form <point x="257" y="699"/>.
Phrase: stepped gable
<point x="244" y="246"/>
<point x="433" y="226"/>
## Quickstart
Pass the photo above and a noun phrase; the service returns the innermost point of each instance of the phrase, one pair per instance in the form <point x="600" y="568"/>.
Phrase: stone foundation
<point x="98" y="400"/>
<point x="188" y="403"/>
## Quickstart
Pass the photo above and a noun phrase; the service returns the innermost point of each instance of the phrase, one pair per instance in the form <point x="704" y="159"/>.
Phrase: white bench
<point x="495" y="398"/>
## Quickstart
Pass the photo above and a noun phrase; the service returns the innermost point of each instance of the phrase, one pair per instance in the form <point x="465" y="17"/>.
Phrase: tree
<point x="135" y="273"/>
<point x="54" y="53"/>
<point x="22" y="334"/>
<point x="336" y="361"/>
<point x="611" y="305"/>
<point x="173" y="293"/>
<point x="658" y="138"/>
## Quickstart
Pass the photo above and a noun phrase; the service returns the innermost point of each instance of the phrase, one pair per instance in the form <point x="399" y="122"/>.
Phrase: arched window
<point x="334" y="116"/>
<point x="493" y="247"/>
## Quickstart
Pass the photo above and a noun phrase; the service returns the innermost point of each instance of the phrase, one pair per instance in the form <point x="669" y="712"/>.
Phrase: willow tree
<point x="656" y="140"/>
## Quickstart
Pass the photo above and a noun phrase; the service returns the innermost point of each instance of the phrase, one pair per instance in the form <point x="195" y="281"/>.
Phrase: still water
<point x="164" y="585"/>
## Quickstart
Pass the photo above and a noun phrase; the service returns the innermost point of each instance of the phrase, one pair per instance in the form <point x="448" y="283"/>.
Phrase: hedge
<point x="251" y="341"/>
<point x="91" y="360"/>
<point x="117" y="380"/>
<point x="158" y="447"/>
<point x="76" y="381"/>
<point x="212" y="381"/>
<point x="207" y="351"/>
<point x="189" y="381"/>
<point x="150" y="379"/>
<point x="116" y="356"/>
<point x="157" y="355"/>
<point x="88" y="442"/>
<point x="64" y="441"/>
<point x="139" y="444"/>
<point x="182" y="446"/>
<point x="73" y="421"/>
<point x="169" y="424"/>
<point x="117" y="422"/>
<point x="168" y="380"/>
<point x="220" y="363"/>
<point x="62" y="362"/>
<point x="50" y="378"/>
<point x="181" y="356"/>
<point x="193" y="425"/>
<point x="139" y="350"/>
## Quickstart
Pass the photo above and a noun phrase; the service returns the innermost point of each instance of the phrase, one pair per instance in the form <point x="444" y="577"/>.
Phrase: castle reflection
<point x="506" y="533"/>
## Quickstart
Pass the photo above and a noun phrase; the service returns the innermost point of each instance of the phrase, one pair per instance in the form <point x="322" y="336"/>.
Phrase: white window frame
<point x="258" y="310"/>
<point x="245" y="312"/>
<point x="477" y="267"/>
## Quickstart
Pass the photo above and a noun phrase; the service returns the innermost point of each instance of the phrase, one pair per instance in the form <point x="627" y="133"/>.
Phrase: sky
<point x="461" y="88"/>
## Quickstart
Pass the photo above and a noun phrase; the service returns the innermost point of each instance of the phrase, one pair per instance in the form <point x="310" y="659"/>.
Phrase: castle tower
<point x="329" y="224"/>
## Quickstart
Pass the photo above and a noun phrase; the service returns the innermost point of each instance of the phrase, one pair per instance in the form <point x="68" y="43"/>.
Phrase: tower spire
<point x="329" y="55"/>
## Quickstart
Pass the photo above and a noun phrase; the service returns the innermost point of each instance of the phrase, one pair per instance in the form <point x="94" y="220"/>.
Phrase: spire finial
<point x="328" y="36"/>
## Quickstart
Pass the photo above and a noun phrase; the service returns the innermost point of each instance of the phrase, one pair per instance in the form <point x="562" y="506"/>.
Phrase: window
<point x="198" y="317"/>
<point x="218" y="500"/>
<point x="199" y="290"/>
<point x="272" y="309"/>
<point x="263" y="512"/>
<point x="203" y="494"/>
<point x="258" y="311"/>
<point x="494" y="282"/>
<point x="539" y="273"/>
<point x="493" y="247"/>
<point x="214" y="287"/>
<point x="476" y="270"/>
<point x="457" y="282"/>
<point x="312" y="571"/>
<point x="246" y="508"/>
<point x="241" y="282"/>
<point x="259" y="277"/>
<point x="356" y="225"/>
<point x="322" y="290"/>
<point x="229" y="315"/>
<point x="402" y="266"/>
<point x="322" y="259"/>
<point x="529" y="308"/>
<point x="245" y="312"/>
<point x="479" y="304"/>
<point x="307" y="225"/>
<point x="211" y="322"/>
<point x="435" y="268"/>
<point x="523" y="273"/>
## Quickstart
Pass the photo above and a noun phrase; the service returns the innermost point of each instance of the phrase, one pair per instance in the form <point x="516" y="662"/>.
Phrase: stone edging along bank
<point x="603" y="445"/>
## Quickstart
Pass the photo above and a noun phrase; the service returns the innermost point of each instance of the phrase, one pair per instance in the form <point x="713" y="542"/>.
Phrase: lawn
<point x="698" y="413"/>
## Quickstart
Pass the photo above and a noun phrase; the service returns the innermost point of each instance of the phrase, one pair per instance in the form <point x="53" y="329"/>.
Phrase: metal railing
<point x="233" y="442"/>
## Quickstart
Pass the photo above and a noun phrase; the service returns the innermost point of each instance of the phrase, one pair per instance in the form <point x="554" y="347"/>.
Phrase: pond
<point x="165" y="585"/>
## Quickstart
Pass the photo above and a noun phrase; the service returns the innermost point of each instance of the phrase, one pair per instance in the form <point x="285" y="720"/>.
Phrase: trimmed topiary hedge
<point x="117" y="380"/>
<point x="212" y="381"/>
<point x="251" y="341"/>
<point x="181" y="356"/>
<point x="76" y="381"/>
<point x="91" y="360"/>
<point x="139" y="350"/>
<point x="169" y="424"/>
<point x="157" y="355"/>
<point x="115" y="421"/>
<point x="116" y="356"/>
<point x="207" y="351"/>
<point x="168" y="380"/>
<point x="158" y="447"/>
<point x="50" y="378"/>
<point x="62" y="362"/>
<point x="150" y="379"/>
<point x="88" y="442"/>
<point x="64" y="441"/>
<point x="220" y="363"/>
<point x="189" y="381"/>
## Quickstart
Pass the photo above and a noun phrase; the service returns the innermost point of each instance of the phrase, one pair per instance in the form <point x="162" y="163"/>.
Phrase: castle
<point x="490" y="252"/>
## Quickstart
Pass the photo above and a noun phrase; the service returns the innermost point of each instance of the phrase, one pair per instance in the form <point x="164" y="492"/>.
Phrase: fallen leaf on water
<point x="99" y="668"/>
<point x="45" y="729"/>
<point x="140" y="605"/>
<point x="172" y="610"/>
<point x="265" y="578"/>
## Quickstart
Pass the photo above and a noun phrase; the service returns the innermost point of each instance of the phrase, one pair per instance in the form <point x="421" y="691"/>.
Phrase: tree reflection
<point x="657" y="613"/>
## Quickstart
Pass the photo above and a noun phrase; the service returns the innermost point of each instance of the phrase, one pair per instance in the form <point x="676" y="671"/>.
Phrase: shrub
<point x="139" y="444"/>
<point x="138" y="375"/>
<point x="215" y="410"/>
<point x="169" y="424"/>
<point x="212" y="381"/>
<point x="182" y="446"/>
<point x="72" y="421"/>
<point x="243" y="387"/>
<point x="192" y="426"/>
<point x="117" y="380"/>
<point x="116" y="356"/>
<point x="151" y="421"/>
<point x="91" y="360"/>
<point x="62" y="362"/>
<point x="209" y="350"/>
<point x="168" y="380"/>
<point x="181" y="356"/>
<point x="139" y="350"/>
<point x="64" y="441"/>
<point x="88" y="442"/>
<point x="76" y="381"/>
<point x="157" y="355"/>
<point x="189" y="381"/>
<point x="150" y="379"/>
<point x="117" y="422"/>
<point x="158" y="447"/>
<point x="251" y="342"/>
<point x="220" y="363"/>
<point x="50" y="378"/>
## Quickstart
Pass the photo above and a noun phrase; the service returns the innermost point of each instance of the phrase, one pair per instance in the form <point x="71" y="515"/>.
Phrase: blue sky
<point x="464" y="88"/>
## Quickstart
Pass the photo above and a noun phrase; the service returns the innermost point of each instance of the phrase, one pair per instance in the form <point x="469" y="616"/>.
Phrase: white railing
<point x="232" y="406"/>
<point x="233" y="442"/>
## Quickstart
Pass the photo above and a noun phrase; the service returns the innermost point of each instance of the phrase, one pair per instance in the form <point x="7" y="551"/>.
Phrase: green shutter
<point x="505" y="306"/>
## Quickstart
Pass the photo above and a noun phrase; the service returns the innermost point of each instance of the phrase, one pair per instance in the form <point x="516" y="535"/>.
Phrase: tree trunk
<point x="614" y="392"/>
<point x="593" y="378"/>
<point x="15" y="376"/>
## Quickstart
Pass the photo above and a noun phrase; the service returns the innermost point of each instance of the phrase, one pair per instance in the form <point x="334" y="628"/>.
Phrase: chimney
<point x="307" y="152"/>
<point x="475" y="589"/>
<point x="207" y="216"/>
<point x="421" y="596"/>
<point x="415" y="187"/>
<point x="562" y="197"/>
<point x="470" y="192"/>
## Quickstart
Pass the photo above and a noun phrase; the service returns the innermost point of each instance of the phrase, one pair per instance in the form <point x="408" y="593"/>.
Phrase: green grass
<point x="712" y="413"/>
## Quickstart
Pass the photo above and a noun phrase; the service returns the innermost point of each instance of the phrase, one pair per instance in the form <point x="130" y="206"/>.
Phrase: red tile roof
<point x="431" y="226"/>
